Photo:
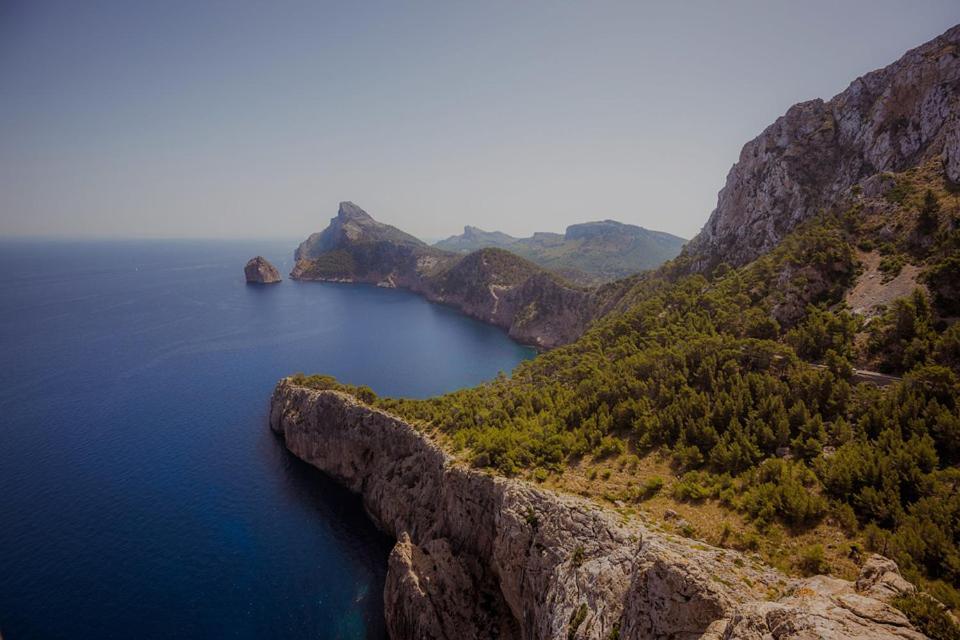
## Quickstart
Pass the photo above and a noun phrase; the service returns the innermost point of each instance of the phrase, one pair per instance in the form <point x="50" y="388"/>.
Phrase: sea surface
<point x="142" y="494"/>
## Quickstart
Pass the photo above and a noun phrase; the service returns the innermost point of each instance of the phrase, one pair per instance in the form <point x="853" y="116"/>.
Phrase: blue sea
<point x="142" y="494"/>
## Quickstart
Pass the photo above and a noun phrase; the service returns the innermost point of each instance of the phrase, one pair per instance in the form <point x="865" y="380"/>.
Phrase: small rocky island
<point x="259" y="271"/>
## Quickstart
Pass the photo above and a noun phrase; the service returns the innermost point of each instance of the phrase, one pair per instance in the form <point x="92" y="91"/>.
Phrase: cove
<point x="142" y="493"/>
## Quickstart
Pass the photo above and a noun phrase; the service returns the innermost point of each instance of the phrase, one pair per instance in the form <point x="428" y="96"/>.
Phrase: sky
<point x="254" y="119"/>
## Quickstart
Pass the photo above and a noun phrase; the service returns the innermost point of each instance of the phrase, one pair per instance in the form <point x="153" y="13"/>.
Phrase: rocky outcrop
<point x="888" y="120"/>
<point x="480" y="556"/>
<point x="352" y="225"/>
<point x="258" y="270"/>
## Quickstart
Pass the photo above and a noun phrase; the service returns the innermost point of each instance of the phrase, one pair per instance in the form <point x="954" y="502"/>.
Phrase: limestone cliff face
<point x="480" y="556"/>
<point x="888" y="120"/>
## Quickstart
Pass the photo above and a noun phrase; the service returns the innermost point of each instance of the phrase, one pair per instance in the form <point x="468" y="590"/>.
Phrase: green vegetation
<point x="927" y="615"/>
<point x="715" y="373"/>
<point x="812" y="561"/>
<point x="576" y="619"/>
<point x="333" y="264"/>
<point x="891" y="266"/>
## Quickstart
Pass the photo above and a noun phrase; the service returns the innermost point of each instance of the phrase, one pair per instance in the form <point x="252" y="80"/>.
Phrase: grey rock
<point x="258" y="270"/>
<point x="888" y="120"/>
<point x="880" y="578"/>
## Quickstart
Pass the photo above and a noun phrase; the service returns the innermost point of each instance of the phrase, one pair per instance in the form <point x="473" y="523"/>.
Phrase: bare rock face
<point x="880" y="578"/>
<point x="888" y="120"/>
<point x="480" y="556"/>
<point x="259" y="271"/>
<point x="820" y="607"/>
<point x="436" y="594"/>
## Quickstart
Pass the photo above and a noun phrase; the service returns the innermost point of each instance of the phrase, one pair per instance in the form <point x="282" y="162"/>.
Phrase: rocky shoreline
<point x="480" y="556"/>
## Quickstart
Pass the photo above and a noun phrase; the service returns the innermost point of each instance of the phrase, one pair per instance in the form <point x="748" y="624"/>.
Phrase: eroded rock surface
<point x="887" y="120"/>
<point x="480" y="556"/>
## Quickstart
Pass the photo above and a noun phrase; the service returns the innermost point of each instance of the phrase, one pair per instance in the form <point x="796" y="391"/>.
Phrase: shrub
<point x="891" y="266"/>
<point x="928" y="616"/>
<point x="576" y="619"/>
<point x="812" y="561"/>
<point x="651" y="487"/>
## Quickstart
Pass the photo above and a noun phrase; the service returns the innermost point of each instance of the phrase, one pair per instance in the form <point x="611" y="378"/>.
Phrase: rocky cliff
<point x="258" y="270"/>
<point x="493" y="285"/>
<point x="479" y="556"/>
<point x="888" y="120"/>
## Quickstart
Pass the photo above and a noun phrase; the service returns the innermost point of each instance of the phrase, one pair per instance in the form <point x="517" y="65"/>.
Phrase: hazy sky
<point x="247" y="119"/>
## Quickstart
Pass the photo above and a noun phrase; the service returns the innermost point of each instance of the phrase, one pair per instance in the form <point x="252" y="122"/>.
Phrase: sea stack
<point x="259" y="271"/>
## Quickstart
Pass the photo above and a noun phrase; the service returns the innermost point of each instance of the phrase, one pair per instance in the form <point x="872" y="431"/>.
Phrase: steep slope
<point x="588" y="253"/>
<point x="888" y="120"/>
<point x="534" y="306"/>
<point x="352" y="224"/>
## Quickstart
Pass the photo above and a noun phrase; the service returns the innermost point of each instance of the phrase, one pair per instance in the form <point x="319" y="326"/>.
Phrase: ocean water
<point x="142" y="494"/>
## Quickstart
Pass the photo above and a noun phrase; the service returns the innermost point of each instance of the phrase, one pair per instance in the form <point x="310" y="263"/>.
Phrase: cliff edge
<point x="480" y="556"/>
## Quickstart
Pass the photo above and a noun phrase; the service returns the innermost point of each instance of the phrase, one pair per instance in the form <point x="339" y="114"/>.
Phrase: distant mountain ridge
<point x="587" y="253"/>
<point x="532" y="304"/>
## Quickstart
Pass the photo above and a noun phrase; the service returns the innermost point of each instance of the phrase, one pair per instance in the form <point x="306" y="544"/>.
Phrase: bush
<point x="943" y="278"/>
<point x="891" y="266"/>
<point x="651" y="487"/>
<point x="928" y="616"/>
<point x="812" y="561"/>
<point x="777" y="490"/>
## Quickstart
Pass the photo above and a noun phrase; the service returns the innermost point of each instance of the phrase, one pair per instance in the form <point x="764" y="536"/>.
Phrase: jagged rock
<point x="352" y="224"/>
<point x="434" y="594"/>
<point x="888" y="120"/>
<point x="544" y="565"/>
<point x="259" y="271"/>
<point x="820" y="607"/>
<point x="880" y="578"/>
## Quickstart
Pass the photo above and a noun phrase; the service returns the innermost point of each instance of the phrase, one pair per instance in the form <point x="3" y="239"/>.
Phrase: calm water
<point x="141" y="492"/>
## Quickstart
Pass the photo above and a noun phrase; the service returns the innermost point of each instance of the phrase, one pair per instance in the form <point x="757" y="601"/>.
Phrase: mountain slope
<point x="888" y="120"/>
<point x="535" y="306"/>
<point x="352" y="224"/>
<point x="587" y="253"/>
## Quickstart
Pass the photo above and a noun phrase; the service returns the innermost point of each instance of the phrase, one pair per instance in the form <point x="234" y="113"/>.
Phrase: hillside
<point x="888" y="120"/>
<point x="719" y="394"/>
<point x="533" y="305"/>
<point x="588" y="253"/>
